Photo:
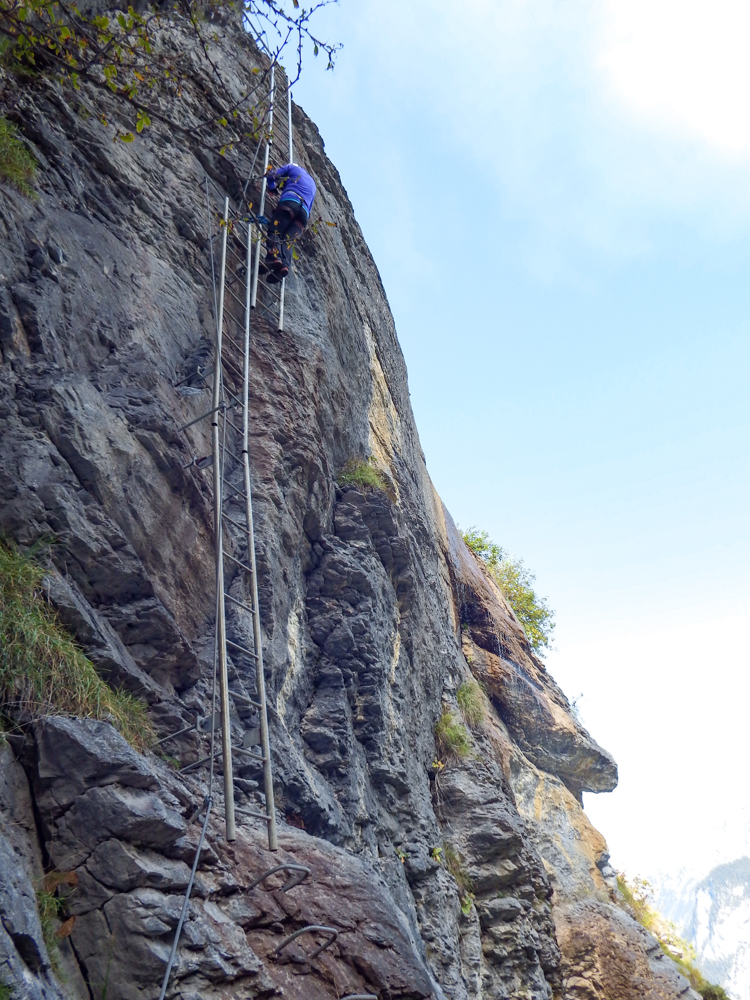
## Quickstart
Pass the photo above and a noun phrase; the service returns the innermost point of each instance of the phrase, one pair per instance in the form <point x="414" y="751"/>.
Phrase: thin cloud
<point x="683" y="64"/>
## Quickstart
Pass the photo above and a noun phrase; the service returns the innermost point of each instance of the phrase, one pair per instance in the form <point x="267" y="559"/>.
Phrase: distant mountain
<point x="713" y="914"/>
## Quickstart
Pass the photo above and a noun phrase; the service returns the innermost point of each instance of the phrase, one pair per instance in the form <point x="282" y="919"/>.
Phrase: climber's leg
<point x="278" y="224"/>
<point x="293" y="231"/>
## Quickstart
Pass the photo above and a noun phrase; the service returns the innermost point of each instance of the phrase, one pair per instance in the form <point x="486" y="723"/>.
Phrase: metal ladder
<point x="239" y="291"/>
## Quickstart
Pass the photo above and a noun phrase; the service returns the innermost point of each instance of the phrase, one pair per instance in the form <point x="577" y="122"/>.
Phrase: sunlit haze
<point x="558" y="199"/>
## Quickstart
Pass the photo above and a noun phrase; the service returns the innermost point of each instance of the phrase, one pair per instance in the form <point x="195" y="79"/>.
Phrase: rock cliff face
<point x="374" y="613"/>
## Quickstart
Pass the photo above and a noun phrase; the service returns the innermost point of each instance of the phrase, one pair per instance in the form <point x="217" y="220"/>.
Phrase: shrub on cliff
<point x="515" y="581"/>
<point x="17" y="165"/>
<point x="362" y="472"/>
<point x="122" y="53"/>
<point x="452" y="737"/>
<point x="455" y="865"/>
<point x="713" y="992"/>
<point x="635" y="894"/>
<point x="42" y="670"/>
<point x="472" y="701"/>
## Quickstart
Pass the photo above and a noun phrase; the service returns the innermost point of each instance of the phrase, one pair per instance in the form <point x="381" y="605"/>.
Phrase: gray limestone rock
<point x="131" y="814"/>
<point x="123" y="867"/>
<point x="373" y="609"/>
<point x="75" y="755"/>
<point x="24" y="959"/>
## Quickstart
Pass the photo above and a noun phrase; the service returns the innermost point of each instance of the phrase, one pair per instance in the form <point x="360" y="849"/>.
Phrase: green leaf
<point x="126" y="137"/>
<point x="74" y="81"/>
<point x="222" y="121"/>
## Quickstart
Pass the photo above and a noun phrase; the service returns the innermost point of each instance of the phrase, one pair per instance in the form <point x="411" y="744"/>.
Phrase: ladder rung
<point x="252" y="812"/>
<point x="242" y="527"/>
<point x="233" y="276"/>
<point x="198" y="763"/>
<point x="236" y="298"/>
<point x="205" y="760"/>
<point x="225" y="361"/>
<point x="236" y="645"/>
<point x="244" y="698"/>
<point x="259" y="305"/>
<point x="238" y="562"/>
<point x="229" y="452"/>
<point x="239" y="327"/>
<point x="237" y="400"/>
<point x="270" y="288"/>
<point x="237" y="234"/>
<point x="232" y="341"/>
<point x="201" y="417"/>
<point x="239" y="492"/>
<point x="172" y="736"/>
<point x="245" y="607"/>
<point x="248" y="753"/>
<point x="217" y="751"/>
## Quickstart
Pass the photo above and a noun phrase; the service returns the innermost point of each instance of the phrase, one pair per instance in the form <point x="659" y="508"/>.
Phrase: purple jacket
<point x="293" y="181"/>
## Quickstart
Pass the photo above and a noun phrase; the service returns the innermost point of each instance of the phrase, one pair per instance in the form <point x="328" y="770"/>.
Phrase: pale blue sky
<point x="557" y="196"/>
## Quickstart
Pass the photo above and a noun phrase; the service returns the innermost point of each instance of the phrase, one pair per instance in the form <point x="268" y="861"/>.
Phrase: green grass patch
<point x="454" y="864"/>
<point x="17" y="165"/>
<point x="6" y="991"/>
<point x="636" y="894"/>
<point x="42" y="670"/>
<point x="50" y="907"/>
<point x="472" y="701"/>
<point x="516" y="583"/>
<point x="363" y="473"/>
<point x="452" y="737"/>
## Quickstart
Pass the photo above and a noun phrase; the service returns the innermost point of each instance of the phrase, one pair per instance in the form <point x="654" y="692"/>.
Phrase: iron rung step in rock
<point x="311" y="929"/>
<point x="295" y="880"/>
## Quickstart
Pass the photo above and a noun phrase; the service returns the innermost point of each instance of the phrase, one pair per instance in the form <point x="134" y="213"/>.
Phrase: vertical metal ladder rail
<point x="240" y="268"/>
<point x="235" y="556"/>
<point x="221" y="623"/>
<point x="279" y="135"/>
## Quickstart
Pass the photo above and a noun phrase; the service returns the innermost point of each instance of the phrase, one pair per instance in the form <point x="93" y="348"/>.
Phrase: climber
<point x="289" y="218"/>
